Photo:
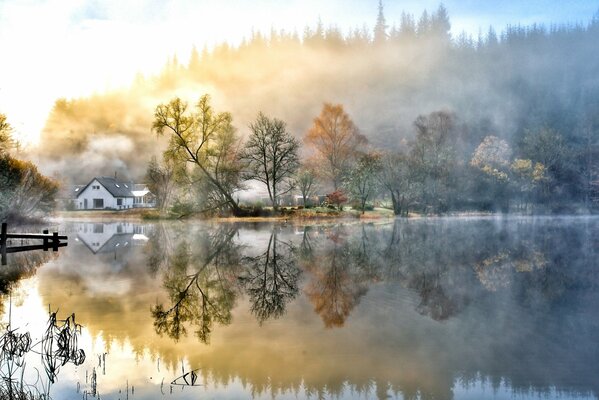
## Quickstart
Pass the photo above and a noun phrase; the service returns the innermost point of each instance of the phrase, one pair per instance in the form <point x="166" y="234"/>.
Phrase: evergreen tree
<point x="380" y="29"/>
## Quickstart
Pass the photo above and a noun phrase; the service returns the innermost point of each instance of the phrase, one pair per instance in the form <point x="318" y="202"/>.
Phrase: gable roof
<point x="115" y="187"/>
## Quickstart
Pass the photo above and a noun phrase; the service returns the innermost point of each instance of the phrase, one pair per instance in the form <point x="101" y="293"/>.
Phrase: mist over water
<point x="431" y="308"/>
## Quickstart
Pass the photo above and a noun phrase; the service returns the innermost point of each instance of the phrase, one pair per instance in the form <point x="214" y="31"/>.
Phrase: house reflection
<point x="111" y="238"/>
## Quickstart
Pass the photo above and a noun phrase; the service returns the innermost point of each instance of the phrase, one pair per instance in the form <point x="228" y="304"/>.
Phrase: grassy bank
<point x="317" y="213"/>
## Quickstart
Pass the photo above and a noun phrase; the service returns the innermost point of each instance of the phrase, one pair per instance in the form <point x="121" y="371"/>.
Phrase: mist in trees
<point x="515" y="83"/>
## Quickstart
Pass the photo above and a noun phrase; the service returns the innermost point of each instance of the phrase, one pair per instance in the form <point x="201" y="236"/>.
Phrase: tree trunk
<point x="396" y="204"/>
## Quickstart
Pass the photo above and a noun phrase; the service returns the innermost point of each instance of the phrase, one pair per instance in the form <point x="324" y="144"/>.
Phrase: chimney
<point x="115" y="175"/>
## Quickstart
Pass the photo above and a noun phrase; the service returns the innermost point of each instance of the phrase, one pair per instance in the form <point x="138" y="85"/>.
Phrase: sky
<point x="71" y="48"/>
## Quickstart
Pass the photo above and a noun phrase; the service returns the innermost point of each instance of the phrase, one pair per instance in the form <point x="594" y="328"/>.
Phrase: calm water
<point x="421" y="309"/>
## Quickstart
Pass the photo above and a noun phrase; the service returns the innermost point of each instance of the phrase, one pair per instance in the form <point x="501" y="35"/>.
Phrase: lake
<point x="439" y="308"/>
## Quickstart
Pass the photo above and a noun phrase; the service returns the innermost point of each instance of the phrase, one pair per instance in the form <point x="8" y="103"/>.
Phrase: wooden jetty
<point x="49" y="240"/>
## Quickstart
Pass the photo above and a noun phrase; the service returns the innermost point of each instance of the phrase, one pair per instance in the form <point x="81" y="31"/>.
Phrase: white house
<point x="107" y="192"/>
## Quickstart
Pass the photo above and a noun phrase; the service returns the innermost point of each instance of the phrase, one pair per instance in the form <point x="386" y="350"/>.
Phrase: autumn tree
<point x="362" y="183"/>
<point x="272" y="157"/>
<point x="527" y="177"/>
<point x="336" y="142"/>
<point x="492" y="159"/>
<point x="337" y="198"/>
<point x="206" y="139"/>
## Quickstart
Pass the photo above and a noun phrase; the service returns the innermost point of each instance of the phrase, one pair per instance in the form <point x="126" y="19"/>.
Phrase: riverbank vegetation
<point x="24" y="191"/>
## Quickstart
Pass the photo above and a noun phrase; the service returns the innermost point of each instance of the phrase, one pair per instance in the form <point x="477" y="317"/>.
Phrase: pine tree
<point x="380" y="29"/>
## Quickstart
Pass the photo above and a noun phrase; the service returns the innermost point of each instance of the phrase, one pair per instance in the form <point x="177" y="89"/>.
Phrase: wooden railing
<point x="49" y="240"/>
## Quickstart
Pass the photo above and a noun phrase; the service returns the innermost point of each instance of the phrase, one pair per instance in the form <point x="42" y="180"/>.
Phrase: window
<point x="119" y="202"/>
<point x="96" y="187"/>
<point x="116" y="185"/>
<point x="98" y="228"/>
<point x="98" y="203"/>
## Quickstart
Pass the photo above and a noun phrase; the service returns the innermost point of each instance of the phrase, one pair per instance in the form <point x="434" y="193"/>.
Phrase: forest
<point x="504" y="121"/>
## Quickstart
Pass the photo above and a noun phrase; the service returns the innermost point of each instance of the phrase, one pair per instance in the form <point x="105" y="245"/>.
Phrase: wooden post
<point x="3" y="243"/>
<point x="55" y="241"/>
<point x="45" y="232"/>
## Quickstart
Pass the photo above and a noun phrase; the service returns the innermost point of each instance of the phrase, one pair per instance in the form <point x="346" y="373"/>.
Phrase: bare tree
<point x="396" y="177"/>
<point x="305" y="182"/>
<point x="271" y="154"/>
<point x="197" y="138"/>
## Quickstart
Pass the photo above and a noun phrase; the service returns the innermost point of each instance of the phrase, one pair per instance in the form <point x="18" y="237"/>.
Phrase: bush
<point x="24" y="192"/>
<point x="182" y="208"/>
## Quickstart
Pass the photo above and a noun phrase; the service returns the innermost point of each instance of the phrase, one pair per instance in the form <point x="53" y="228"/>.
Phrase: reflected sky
<point x="432" y="308"/>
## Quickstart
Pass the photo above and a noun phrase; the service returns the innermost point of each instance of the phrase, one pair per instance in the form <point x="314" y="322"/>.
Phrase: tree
<point x="492" y="157"/>
<point x="362" y="183"/>
<point x="305" y="182"/>
<point x="23" y="190"/>
<point x="271" y="155"/>
<point x="432" y="156"/>
<point x="527" y="177"/>
<point x="160" y="178"/>
<point x="205" y="139"/>
<point x="5" y="134"/>
<point x="380" y="29"/>
<point x="337" y="198"/>
<point x="395" y="176"/>
<point x="548" y="148"/>
<point x="336" y="141"/>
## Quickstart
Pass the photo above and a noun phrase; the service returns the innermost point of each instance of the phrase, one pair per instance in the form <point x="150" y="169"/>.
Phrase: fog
<point x="500" y="84"/>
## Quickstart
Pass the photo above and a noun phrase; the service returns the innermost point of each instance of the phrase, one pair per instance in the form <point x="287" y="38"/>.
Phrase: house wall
<point x="109" y="201"/>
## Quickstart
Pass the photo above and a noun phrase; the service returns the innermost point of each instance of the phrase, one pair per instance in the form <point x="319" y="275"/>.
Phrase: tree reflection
<point x="270" y="279"/>
<point x="202" y="298"/>
<point x="336" y="286"/>
<point x="20" y="266"/>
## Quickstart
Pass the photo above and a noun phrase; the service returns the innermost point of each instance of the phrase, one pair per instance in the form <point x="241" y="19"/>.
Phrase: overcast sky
<point x="69" y="48"/>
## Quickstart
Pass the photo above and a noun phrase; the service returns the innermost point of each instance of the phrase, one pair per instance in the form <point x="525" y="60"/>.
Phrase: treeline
<point x="207" y="164"/>
<point x="24" y="192"/>
<point x="510" y="84"/>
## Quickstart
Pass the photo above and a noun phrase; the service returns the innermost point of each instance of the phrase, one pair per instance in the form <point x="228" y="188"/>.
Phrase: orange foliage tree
<point x="336" y="142"/>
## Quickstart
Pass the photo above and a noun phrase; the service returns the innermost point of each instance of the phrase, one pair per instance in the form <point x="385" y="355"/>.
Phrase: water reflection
<point x="197" y="285"/>
<point x="420" y="309"/>
<point x="270" y="279"/>
<point x="339" y="270"/>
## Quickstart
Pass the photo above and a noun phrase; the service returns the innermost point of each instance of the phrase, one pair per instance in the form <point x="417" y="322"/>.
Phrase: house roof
<point x="116" y="187"/>
<point x="75" y="190"/>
